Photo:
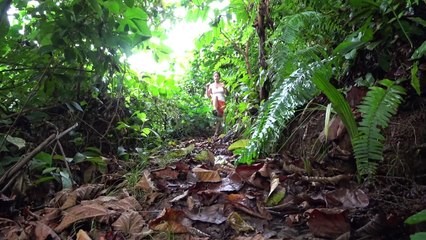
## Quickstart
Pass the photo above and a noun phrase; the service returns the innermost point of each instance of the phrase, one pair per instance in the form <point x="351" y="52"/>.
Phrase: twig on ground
<point x="25" y="159"/>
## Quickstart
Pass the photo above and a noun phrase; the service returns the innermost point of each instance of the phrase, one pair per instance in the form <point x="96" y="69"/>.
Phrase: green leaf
<point x="341" y="106"/>
<point x="355" y="40"/>
<point x="136" y="13"/>
<point x="146" y="131"/>
<point x="79" y="157"/>
<point x="113" y="6"/>
<point x="419" y="52"/>
<point x="415" y="82"/>
<point x="94" y="4"/>
<point x="19" y="142"/>
<point x="66" y="180"/>
<point x="242" y="143"/>
<point x="416" y="218"/>
<point x="418" y="236"/>
<point x="129" y="3"/>
<point x="44" y="157"/>
<point x="94" y="151"/>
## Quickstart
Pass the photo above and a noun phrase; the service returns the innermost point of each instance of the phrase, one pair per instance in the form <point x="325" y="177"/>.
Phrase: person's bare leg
<point x="218" y="128"/>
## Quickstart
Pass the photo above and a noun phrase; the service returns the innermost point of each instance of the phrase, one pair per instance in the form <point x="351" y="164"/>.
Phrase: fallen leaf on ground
<point x="211" y="214"/>
<point x="170" y="220"/>
<point x="204" y="175"/>
<point x="246" y="171"/>
<point x="42" y="231"/>
<point x="238" y="224"/>
<point x="248" y="206"/>
<point x="130" y="223"/>
<point x="125" y="204"/>
<point x="347" y="198"/>
<point x="328" y="223"/>
<point x="146" y="182"/>
<point x="82" y="235"/>
<point x="166" y="173"/>
<point x="81" y="212"/>
<point x="232" y="183"/>
<point x="275" y="182"/>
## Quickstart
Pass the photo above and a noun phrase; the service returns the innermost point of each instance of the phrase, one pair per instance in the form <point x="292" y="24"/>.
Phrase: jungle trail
<point x="328" y="145"/>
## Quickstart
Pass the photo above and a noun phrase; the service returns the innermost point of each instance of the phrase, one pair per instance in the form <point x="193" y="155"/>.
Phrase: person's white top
<point x="217" y="91"/>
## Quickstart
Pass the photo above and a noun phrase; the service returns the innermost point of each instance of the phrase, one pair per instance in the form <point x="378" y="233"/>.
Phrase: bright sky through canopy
<point x="180" y="39"/>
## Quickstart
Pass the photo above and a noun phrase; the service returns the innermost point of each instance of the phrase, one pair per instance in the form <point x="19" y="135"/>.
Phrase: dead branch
<point x="11" y="173"/>
<point x="328" y="180"/>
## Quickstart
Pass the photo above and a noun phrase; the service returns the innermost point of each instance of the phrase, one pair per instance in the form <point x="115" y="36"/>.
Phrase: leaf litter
<point x="193" y="197"/>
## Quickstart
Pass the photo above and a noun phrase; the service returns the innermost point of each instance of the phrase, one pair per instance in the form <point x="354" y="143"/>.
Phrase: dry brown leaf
<point x="170" y="220"/>
<point x="125" y="204"/>
<point x="12" y="232"/>
<point x="190" y="203"/>
<point x="246" y="171"/>
<point x="42" y="231"/>
<point x="204" y="175"/>
<point x="211" y="214"/>
<point x="232" y="183"/>
<point x="130" y="223"/>
<point x="50" y="214"/>
<point x="70" y="201"/>
<point x="347" y="198"/>
<point x="275" y="182"/>
<point x="89" y="191"/>
<point x="166" y="173"/>
<point x="146" y="182"/>
<point x="328" y="223"/>
<point x="179" y="197"/>
<point x="152" y="198"/>
<point x="82" y="235"/>
<point x="60" y="198"/>
<point x="248" y="206"/>
<point x="81" y="212"/>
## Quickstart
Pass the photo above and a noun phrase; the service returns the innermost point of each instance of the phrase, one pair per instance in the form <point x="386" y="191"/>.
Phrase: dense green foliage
<point x="68" y="59"/>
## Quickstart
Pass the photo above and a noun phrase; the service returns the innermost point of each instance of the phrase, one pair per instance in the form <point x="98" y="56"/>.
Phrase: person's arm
<point x="225" y="91"/>
<point x="208" y="90"/>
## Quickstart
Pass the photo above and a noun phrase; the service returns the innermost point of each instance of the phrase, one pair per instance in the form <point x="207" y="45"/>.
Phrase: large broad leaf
<point x="81" y="212"/>
<point x="242" y="143"/>
<point x="136" y="13"/>
<point x="130" y="223"/>
<point x="355" y="40"/>
<point x="418" y="236"/>
<point x="417" y="218"/>
<point x="19" y="142"/>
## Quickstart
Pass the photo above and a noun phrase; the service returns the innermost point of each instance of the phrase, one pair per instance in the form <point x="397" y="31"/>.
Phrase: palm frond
<point x="377" y="108"/>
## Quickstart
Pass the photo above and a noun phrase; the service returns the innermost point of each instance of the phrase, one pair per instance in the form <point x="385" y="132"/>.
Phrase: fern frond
<point x="294" y="92"/>
<point x="378" y="106"/>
